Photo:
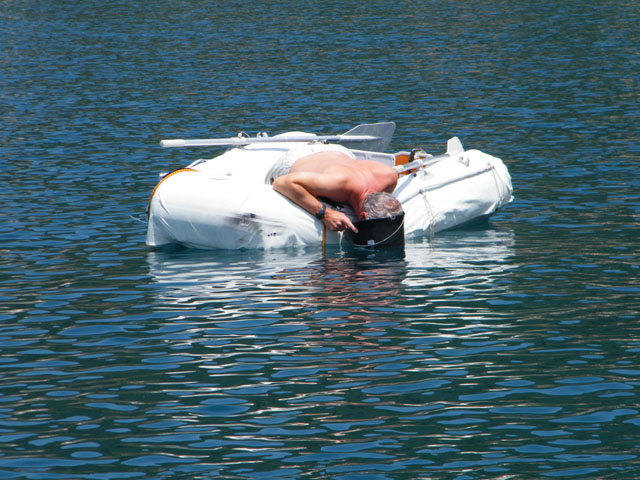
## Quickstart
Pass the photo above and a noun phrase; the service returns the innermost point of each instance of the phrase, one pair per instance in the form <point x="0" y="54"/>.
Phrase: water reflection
<point x="343" y="276"/>
<point x="358" y="349"/>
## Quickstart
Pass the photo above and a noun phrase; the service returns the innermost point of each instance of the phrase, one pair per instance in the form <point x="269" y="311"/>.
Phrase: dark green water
<point x="509" y="350"/>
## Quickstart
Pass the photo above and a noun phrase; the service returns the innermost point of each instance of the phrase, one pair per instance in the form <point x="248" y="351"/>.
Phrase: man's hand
<point x="337" y="221"/>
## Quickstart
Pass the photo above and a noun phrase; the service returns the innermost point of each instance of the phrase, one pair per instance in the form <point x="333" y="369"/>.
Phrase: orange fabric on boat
<point x="402" y="159"/>
<point x="162" y="180"/>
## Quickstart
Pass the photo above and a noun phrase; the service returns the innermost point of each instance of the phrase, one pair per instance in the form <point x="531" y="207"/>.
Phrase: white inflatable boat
<point x="227" y="202"/>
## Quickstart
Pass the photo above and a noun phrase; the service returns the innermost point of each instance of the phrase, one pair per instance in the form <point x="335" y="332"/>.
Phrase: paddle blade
<point x="454" y="146"/>
<point x="384" y="132"/>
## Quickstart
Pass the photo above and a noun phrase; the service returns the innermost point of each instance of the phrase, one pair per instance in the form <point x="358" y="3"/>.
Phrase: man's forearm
<point x="332" y="219"/>
<point x="297" y="194"/>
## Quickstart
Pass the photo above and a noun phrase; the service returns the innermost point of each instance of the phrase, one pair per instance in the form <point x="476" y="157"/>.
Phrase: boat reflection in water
<point x="308" y="283"/>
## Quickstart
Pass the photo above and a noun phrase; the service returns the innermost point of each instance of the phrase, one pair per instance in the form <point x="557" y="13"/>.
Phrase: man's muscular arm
<point x="302" y="188"/>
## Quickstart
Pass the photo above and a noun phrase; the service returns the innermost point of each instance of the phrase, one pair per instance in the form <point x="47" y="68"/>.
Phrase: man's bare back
<point x="337" y="177"/>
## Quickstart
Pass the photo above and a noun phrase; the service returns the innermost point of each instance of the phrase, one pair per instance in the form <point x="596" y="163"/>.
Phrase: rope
<point x="138" y="219"/>
<point x="495" y="180"/>
<point x="374" y="244"/>
<point x="430" y="212"/>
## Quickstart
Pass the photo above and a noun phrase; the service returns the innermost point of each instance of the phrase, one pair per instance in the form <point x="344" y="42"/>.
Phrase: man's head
<point x="381" y="222"/>
<point x="380" y="205"/>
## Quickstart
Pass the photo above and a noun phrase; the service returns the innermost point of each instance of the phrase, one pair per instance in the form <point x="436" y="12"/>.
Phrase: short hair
<point x="381" y="205"/>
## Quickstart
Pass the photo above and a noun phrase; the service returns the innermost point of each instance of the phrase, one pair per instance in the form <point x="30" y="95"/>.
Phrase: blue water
<point x="506" y="350"/>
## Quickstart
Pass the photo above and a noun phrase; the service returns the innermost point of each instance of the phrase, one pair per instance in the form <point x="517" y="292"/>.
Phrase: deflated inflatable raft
<point x="224" y="202"/>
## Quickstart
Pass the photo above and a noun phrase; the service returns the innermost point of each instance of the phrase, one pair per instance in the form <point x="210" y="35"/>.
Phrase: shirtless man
<point x="338" y="177"/>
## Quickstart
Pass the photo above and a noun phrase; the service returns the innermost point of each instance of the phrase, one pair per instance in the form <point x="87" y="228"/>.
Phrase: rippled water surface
<point x="507" y="350"/>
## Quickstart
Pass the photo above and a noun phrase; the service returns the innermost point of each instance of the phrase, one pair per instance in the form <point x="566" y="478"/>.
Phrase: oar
<point x="240" y="141"/>
<point x="454" y="147"/>
<point x="368" y="136"/>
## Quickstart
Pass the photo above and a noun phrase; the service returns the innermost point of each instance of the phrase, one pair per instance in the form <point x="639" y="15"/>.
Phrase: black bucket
<point x="379" y="232"/>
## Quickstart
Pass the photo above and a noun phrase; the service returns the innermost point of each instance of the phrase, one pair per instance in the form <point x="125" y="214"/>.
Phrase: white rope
<point x="138" y="219"/>
<point x="495" y="179"/>
<point x="430" y="213"/>
<point x="375" y="244"/>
